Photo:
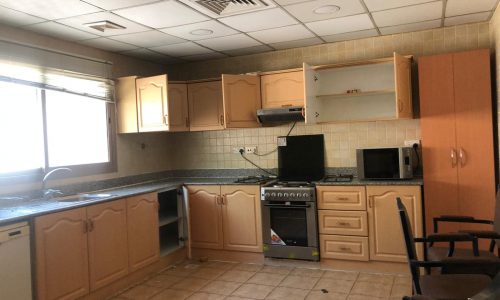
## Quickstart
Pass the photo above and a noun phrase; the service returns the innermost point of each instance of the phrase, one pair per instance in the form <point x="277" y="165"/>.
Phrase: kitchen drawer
<point x="341" y="197"/>
<point x="344" y="247"/>
<point x="343" y="222"/>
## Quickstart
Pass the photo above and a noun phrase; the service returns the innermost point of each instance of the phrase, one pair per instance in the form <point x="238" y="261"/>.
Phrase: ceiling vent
<point x="104" y="25"/>
<point x="223" y="8"/>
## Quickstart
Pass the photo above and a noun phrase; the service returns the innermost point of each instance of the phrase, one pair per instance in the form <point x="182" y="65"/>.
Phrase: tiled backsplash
<point x="214" y="149"/>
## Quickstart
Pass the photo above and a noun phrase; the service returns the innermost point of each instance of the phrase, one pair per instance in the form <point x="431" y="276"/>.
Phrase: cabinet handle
<point x="224" y="201"/>
<point x="217" y="200"/>
<point x="370" y="201"/>
<point x="90" y="225"/>
<point x="85" y="227"/>
<point x="344" y="224"/>
<point x="165" y="119"/>
<point x="345" y="249"/>
<point x="343" y="198"/>
<point x="400" y="105"/>
<point x="463" y="156"/>
<point x="221" y="119"/>
<point x="187" y="122"/>
<point x="453" y="157"/>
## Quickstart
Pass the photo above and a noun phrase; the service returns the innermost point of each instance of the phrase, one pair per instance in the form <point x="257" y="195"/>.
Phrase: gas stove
<point x="255" y="179"/>
<point x="288" y="191"/>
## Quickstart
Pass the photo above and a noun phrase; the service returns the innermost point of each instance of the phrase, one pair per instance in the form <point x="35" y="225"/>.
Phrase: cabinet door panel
<point x="178" y="107"/>
<point x="107" y="238"/>
<point x="62" y="255"/>
<point x="142" y="230"/>
<point x="343" y="222"/>
<point x="126" y="105"/>
<point x="282" y="89"/>
<point x="312" y="107"/>
<point x="341" y="197"/>
<point x="205" y="106"/>
<point x="241" y="94"/>
<point x="402" y="75"/>
<point x="152" y="105"/>
<point x="386" y="238"/>
<point x="241" y="217"/>
<point x="344" y="247"/>
<point x="205" y="217"/>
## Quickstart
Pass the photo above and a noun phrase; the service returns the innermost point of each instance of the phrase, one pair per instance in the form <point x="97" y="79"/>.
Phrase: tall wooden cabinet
<point x="241" y="94"/>
<point x="457" y="136"/>
<point x="206" y="109"/>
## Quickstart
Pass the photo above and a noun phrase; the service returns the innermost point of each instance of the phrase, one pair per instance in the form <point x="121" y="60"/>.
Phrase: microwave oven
<point x="385" y="163"/>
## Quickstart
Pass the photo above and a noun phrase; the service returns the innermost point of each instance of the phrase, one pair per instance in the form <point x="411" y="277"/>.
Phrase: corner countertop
<point x="356" y="181"/>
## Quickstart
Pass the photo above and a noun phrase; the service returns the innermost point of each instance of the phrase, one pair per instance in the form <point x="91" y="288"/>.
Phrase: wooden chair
<point x="445" y="285"/>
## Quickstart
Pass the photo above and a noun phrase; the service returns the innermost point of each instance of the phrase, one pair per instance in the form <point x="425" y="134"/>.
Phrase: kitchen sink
<point x="82" y="197"/>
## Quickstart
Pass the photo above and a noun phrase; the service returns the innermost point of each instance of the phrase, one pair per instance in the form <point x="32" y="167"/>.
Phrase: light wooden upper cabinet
<point x="282" y="89"/>
<point x="378" y="89"/>
<point x="385" y="235"/>
<point x="107" y="239"/>
<point x="152" y="103"/>
<point x="126" y="105"/>
<point x="206" y="110"/>
<point x="142" y="230"/>
<point x="241" y="215"/>
<point x="62" y="270"/>
<point x="178" y="111"/>
<point x="241" y="94"/>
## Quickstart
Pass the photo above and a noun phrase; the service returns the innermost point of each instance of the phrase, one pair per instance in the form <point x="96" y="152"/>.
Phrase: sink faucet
<point x="48" y="193"/>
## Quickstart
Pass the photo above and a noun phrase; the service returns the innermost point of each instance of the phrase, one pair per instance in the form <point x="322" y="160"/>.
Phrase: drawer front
<point x="344" y="247"/>
<point x="341" y="197"/>
<point x="343" y="222"/>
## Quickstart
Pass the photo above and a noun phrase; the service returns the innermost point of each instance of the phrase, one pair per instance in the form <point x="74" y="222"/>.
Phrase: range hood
<point x="280" y="115"/>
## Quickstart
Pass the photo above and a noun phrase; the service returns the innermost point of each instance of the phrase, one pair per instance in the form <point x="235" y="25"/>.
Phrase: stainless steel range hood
<point x="280" y="115"/>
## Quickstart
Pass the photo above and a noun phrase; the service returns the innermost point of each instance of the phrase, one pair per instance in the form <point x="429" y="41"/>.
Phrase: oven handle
<point x="288" y="206"/>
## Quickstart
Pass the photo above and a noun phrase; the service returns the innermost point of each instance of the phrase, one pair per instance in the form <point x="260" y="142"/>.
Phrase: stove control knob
<point x="266" y="195"/>
<point x="273" y="194"/>
<point x="305" y="195"/>
<point x="285" y="195"/>
<point x="299" y="195"/>
<point x="280" y="195"/>
<point x="292" y="195"/>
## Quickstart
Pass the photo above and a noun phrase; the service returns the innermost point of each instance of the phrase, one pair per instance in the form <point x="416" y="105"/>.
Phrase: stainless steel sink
<point x="82" y="197"/>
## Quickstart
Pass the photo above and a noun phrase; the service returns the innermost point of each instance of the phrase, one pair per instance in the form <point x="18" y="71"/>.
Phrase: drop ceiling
<point x="171" y="31"/>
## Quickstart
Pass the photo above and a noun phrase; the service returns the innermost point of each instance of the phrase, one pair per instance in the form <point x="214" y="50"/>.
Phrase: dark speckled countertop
<point x="356" y="181"/>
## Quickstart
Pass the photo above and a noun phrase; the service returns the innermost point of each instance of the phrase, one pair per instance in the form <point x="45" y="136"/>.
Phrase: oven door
<point x="289" y="223"/>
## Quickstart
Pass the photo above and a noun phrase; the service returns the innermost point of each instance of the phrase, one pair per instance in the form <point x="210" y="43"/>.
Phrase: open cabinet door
<point x="241" y="95"/>
<point x="311" y="105"/>
<point x="152" y="103"/>
<point x="402" y="76"/>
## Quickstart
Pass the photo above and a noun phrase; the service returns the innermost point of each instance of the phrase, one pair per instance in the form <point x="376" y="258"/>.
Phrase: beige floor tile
<point x="376" y="278"/>
<point x="205" y="296"/>
<point x="362" y="297"/>
<point x="207" y="273"/>
<point x="140" y="292"/>
<point x="319" y="295"/>
<point x="190" y="284"/>
<point x="340" y="275"/>
<point x="371" y="289"/>
<point x="223" y="265"/>
<point x="172" y="295"/>
<point x="253" y="291"/>
<point x="236" y="276"/>
<point x="248" y="267"/>
<point x="163" y="280"/>
<point x="402" y="280"/>
<point x="299" y="282"/>
<point x="287" y="293"/>
<point x="180" y="271"/>
<point x="400" y="290"/>
<point x="236" y="298"/>
<point x="267" y="279"/>
<point x="220" y="287"/>
<point x="307" y="272"/>
<point x="334" y="285"/>
<point x="276" y="269"/>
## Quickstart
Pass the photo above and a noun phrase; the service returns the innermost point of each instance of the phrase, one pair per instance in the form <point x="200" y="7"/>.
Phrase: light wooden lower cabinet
<point x="341" y="197"/>
<point x="343" y="222"/>
<point x="344" y="247"/>
<point x="225" y="217"/>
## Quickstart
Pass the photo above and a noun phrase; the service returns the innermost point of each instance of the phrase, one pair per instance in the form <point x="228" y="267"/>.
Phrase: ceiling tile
<point x="457" y="20"/>
<point x="260" y="20"/>
<point x="15" y="18"/>
<point x="207" y="56"/>
<point x="350" y="35"/>
<point x="409" y="14"/>
<point x="51" y="9"/>
<point x="282" y="34"/>
<point x="375" y="5"/>
<point x="77" y="22"/>
<point x="411" y="27"/>
<point x="60" y="31"/>
<point x="107" y="44"/>
<point x="230" y="42"/>
<point x="250" y="50"/>
<point x="341" y="25"/>
<point x="115" y="4"/>
<point x="305" y="11"/>
<point x="184" y="31"/>
<point x="288" y="2"/>
<point x="182" y="49"/>
<point x="162" y="14"/>
<point x="147" y="54"/>
<point x="296" y="44"/>
<point x="148" y="39"/>
<point x="463" y="7"/>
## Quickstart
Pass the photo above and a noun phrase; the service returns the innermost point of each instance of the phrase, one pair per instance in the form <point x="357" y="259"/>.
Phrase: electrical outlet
<point x="249" y="150"/>
<point x="410" y="143"/>
<point x="236" y="150"/>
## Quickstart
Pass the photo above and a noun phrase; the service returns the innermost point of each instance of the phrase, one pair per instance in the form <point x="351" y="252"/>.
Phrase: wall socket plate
<point x="236" y="150"/>
<point x="251" y="149"/>
<point x="410" y="143"/>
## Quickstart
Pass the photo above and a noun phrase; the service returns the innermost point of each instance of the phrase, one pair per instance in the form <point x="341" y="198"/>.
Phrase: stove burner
<point x="254" y="179"/>
<point x="293" y="184"/>
<point x="338" y="178"/>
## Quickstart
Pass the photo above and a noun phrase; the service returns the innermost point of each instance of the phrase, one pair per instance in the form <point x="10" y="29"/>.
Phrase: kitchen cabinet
<point x="378" y="89"/>
<point x="62" y="269"/>
<point x="152" y="104"/>
<point x="241" y="95"/>
<point x="344" y="247"/>
<point x="341" y="197"/>
<point x="386" y="239"/>
<point x="142" y="230"/>
<point x="282" y="89"/>
<point x="178" y="111"/>
<point x="457" y="137"/>
<point x="206" y="109"/>
<point x="126" y="105"/>
<point x="225" y="217"/>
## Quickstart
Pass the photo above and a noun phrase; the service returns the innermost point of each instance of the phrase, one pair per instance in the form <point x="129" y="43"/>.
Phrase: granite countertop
<point x="356" y="181"/>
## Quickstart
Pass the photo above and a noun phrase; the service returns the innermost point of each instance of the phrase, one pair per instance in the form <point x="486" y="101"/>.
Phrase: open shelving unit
<point x="171" y="220"/>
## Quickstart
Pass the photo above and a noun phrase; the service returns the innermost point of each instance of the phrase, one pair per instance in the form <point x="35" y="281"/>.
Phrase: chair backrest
<point x="411" y="251"/>
<point x="497" y="211"/>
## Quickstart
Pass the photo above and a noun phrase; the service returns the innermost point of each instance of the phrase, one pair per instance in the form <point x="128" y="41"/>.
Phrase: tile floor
<point x="215" y="280"/>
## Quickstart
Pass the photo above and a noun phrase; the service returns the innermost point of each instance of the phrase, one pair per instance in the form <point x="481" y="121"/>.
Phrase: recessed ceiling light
<point x="104" y="25"/>
<point x="201" y="32"/>
<point x="326" y="9"/>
